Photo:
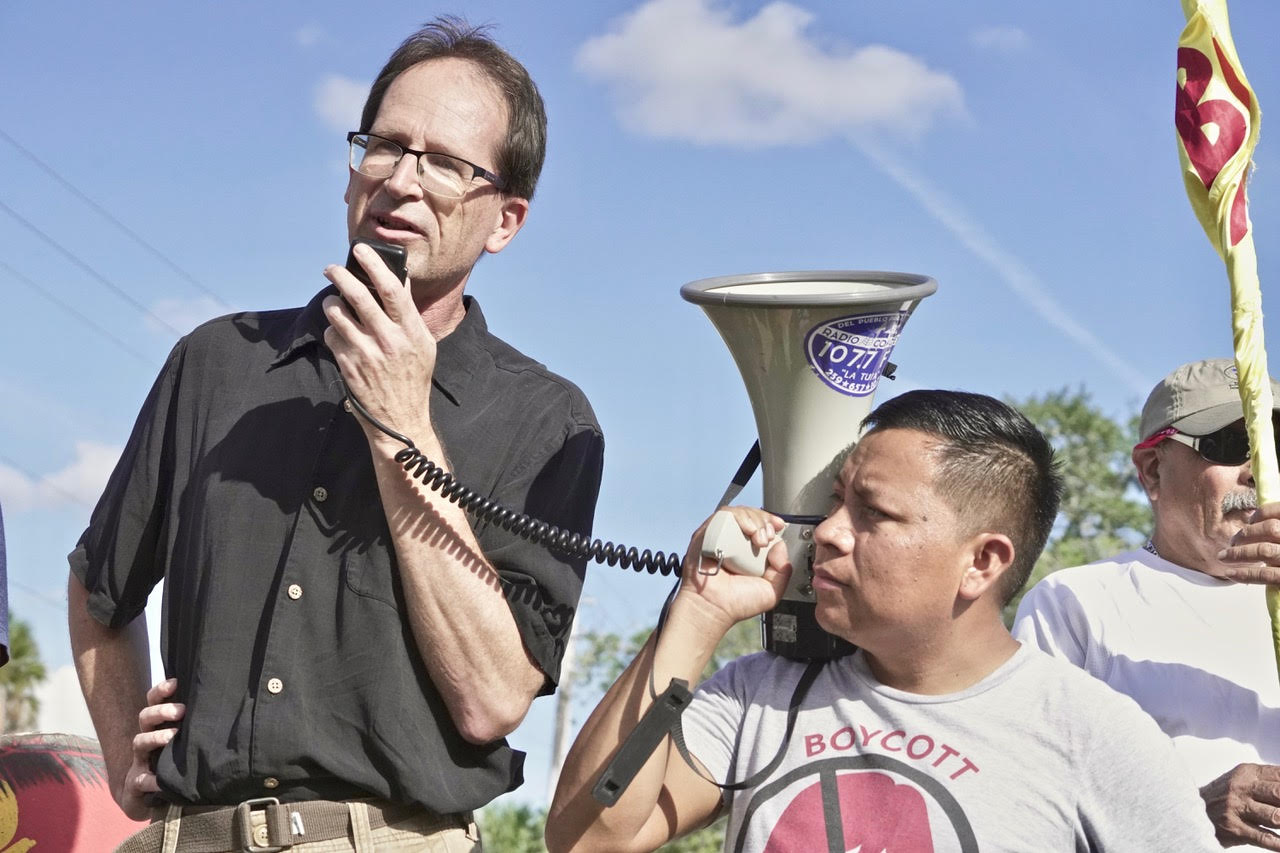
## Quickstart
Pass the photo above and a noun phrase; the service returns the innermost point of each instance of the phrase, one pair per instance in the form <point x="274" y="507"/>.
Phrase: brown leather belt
<point x="216" y="829"/>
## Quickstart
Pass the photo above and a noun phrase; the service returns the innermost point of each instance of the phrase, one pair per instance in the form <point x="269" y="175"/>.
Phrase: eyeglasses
<point x="441" y="175"/>
<point x="1227" y="446"/>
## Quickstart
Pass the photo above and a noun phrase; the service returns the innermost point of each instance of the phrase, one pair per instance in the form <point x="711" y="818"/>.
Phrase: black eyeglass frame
<point x="477" y="171"/>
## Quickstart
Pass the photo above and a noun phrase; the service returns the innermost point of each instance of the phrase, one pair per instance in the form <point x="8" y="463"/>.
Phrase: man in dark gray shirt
<point x="333" y="630"/>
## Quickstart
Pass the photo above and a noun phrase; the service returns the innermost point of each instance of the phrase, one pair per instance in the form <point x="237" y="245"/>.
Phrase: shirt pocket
<point x="374" y="574"/>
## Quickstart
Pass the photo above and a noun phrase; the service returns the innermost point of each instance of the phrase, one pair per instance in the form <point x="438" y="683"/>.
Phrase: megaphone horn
<point x="811" y="347"/>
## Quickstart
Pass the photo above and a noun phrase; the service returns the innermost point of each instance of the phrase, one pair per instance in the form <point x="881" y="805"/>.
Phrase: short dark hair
<point x="520" y="156"/>
<point x="993" y="466"/>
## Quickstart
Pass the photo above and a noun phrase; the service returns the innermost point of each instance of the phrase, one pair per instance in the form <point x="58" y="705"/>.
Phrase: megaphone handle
<point x="725" y="543"/>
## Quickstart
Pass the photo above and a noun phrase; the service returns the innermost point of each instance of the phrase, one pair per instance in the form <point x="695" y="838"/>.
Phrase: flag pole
<point x="1218" y="120"/>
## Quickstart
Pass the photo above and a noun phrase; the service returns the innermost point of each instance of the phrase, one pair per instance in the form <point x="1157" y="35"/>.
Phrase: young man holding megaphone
<point x="941" y="732"/>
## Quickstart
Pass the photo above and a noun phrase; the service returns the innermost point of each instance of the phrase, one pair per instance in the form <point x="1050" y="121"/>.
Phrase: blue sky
<point x="1022" y="154"/>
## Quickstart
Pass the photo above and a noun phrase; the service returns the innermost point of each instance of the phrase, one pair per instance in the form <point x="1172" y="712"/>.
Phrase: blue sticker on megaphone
<point x="848" y="353"/>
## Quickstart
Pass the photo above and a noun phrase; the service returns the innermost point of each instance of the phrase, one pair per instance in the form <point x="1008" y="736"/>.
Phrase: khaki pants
<point x="421" y="832"/>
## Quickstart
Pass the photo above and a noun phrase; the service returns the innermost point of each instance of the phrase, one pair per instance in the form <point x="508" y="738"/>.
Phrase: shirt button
<point x="275" y="685"/>
<point x="320" y="493"/>
<point x="346" y="404"/>
<point x="261" y="835"/>
<point x="271" y="782"/>
<point x="295" y="591"/>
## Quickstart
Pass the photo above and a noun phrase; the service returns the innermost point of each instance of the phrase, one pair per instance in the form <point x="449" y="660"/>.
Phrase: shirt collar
<point x="461" y="354"/>
<point x="457" y="356"/>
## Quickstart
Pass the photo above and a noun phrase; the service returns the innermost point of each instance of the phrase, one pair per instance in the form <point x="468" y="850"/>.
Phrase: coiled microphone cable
<point x="525" y="526"/>
<point x="663" y="717"/>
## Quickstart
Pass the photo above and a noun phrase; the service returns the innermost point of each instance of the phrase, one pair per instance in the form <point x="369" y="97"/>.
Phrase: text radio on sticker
<point x="848" y="353"/>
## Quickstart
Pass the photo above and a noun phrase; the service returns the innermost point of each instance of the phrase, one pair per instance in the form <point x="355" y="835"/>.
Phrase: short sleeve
<point x="118" y="556"/>
<point x="1050" y="618"/>
<point x="542" y="586"/>
<point x="714" y="719"/>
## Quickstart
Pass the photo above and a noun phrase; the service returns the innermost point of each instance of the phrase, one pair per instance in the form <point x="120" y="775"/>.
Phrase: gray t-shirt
<point x="1038" y="756"/>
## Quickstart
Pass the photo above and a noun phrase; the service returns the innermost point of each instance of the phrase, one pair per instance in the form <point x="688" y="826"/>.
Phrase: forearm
<point x="114" y="667"/>
<point x="664" y="799"/>
<point x="462" y="624"/>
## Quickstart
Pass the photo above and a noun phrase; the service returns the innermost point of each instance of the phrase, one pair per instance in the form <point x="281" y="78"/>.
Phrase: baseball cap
<point x="1197" y="399"/>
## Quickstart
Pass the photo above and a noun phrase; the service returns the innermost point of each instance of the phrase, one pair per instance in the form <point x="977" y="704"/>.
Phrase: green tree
<point x="512" y="828"/>
<point x="19" y="679"/>
<point x="1103" y="507"/>
<point x="603" y="655"/>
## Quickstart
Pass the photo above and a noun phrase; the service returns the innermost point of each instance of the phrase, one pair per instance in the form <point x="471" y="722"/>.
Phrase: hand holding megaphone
<point x="733" y="548"/>
<point x="727" y="574"/>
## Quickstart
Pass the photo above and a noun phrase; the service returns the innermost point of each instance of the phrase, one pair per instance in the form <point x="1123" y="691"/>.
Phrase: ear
<point x="510" y="219"/>
<point x="991" y="555"/>
<point x="1147" y="461"/>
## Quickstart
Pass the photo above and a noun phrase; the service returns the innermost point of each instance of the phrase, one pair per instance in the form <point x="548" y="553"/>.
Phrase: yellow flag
<point x="1218" y="119"/>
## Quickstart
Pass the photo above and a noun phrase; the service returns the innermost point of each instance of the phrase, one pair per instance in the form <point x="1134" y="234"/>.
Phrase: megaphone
<point x="811" y="348"/>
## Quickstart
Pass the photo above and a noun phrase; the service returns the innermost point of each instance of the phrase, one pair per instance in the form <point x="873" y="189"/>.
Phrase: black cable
<point x="99" y="328"/>
<point x="106" y="214"/>
<point x="38" y="479"/>
<point x="99" y="277"/>
<point x="663" y="717"/>
<point x="525" y="526"/>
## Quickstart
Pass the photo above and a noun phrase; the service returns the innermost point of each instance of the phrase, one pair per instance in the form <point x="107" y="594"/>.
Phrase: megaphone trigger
<point x="732" y="549"/>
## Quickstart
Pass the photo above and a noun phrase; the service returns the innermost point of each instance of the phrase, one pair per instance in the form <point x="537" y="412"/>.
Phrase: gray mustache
<point x="1239" y="500"/>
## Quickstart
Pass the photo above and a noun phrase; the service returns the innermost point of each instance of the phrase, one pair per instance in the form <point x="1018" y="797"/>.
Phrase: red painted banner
<point x="54" y="796"/>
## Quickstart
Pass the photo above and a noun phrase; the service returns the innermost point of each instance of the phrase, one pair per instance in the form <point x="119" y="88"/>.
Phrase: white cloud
<point x="62" y="707"/>
<point x="1001" y="39"/>
<point x="81" y="482"/>
<point x="685" y="69"/>
<point x="339" y="100"/>
<point x="309" y="35"/>
<point x="183" y="315"/>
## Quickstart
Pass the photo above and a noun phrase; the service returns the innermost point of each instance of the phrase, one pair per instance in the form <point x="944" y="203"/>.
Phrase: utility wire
<point x="35" y="478"/>
<point x="69" y="255"/>
<point x="106" y="214"/>
<point x="38" y="595"/>
<point x="70" y="309"/>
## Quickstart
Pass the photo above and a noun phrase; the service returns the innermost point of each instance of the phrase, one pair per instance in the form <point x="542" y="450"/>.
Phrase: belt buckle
<point x="245" y="829"/>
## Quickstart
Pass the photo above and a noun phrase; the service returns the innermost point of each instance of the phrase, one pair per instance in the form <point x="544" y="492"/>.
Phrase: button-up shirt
<point x="249" y="488"/>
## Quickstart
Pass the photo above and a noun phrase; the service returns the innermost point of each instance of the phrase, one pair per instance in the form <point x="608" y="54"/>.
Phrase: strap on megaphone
<point x="740" y="479"/>
<point x="663" y="718"/>
<point x="745" y="471"/>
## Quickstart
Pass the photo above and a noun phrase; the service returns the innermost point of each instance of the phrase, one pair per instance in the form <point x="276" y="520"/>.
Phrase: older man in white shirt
<point x="1181" y="624"/>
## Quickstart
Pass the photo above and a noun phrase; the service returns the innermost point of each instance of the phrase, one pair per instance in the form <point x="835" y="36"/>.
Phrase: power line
<point x="43" y="598"/>
<point x="37" y="479"/>
<point x="106" y="214"/>
<point x="70" y="309"/>
<point x="69" y="255"/>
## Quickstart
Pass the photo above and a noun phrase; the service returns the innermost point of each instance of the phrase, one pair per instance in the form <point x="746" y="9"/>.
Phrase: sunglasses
<point x="1227" y="446"/>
